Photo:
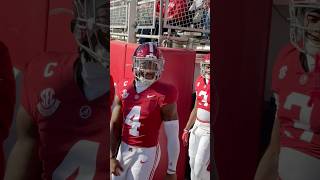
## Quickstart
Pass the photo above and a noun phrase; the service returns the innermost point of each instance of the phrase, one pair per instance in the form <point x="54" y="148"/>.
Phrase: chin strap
<point x="141" y="86"/>
<point x="207" y="80"/>
<point x="95" y="79"/>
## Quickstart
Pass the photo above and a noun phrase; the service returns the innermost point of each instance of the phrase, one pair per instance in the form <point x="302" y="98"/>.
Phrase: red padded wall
<point x="117" y="62"/>
<point x="128" y="63"/>
<point x="182" y="78"/>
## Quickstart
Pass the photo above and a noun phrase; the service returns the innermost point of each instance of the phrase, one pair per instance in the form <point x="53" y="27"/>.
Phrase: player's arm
<point x="115" y="136"/>
<point x="23" y="151"/>
<point x="171" y="126"/>
<point x="192" y="119"/>
<point x="268" y="166"/>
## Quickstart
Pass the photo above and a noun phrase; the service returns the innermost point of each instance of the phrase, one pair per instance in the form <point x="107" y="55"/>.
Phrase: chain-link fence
<point x="184" y="23"/>
<point x="118" y="19"/>
<point x="146" y="14"/>
<point x="187" y="15"/>
<point x="118" y="14"/>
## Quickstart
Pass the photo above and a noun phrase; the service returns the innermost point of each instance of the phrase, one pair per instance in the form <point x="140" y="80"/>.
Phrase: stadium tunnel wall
<point x="240" y="63"/>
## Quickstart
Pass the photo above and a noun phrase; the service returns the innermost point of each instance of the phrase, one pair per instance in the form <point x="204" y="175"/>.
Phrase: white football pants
<point x="199" y="153"/>
<point x="138" y="163"/>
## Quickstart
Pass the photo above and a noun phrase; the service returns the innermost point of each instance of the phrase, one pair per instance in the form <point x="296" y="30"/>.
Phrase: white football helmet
<point x="205" y="66"/>
<point x="148" y="63"/>
<point x="305" y="25"/>
<point x="91" y="29"/>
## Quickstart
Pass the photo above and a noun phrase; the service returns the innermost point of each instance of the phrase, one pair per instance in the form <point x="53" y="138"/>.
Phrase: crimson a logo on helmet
<point x="147" y="49"/>
<point x="142" y="52"/>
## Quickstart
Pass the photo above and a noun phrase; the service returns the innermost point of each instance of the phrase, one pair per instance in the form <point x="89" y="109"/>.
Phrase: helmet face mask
<point x="147" y="63"/>
<point x="91" y="30"/>
<point x="205" y="66"/>
<point x="205" y="70"/>
<point x="148" y="70"/>
<point x="305" y="25"/>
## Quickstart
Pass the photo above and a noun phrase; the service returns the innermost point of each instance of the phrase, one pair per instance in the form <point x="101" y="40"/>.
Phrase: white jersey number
<point x="301" y="100"/>
<point x="204" y="94"/>
<point x="82" y="156"/>
<point x="132" y="119"/>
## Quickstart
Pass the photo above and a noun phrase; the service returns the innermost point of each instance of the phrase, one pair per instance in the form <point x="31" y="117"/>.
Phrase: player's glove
<point x="185" y="137"/>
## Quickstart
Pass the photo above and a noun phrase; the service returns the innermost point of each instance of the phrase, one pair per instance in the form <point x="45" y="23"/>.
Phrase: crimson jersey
<point x="299" y="119"/>
<point x="141" y="111"/>
<point x="175" y="8"/>
<point x="203" y="99"/>
<point x="7" y="99"/>
<point x="72" y="129"/>
<point x="203" y="93"/>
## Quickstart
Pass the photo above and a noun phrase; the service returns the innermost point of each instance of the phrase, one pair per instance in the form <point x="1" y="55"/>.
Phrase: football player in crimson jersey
<point x="198" y="125"/>
<point x="65" y="105"/>
<point x="7" y="100"/>
<point x="294" y="149"/>
<point x="141" y="106"/>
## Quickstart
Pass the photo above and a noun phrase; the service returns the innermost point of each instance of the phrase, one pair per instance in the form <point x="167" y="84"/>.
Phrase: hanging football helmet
<point x="205" y="66"/>
<point x="91" y="30"/>
<point x="147" y="63"/>
<point x="305" y="25"/>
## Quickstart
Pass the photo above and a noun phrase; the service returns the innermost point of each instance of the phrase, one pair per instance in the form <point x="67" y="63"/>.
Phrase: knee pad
<point x="198" y="169"/>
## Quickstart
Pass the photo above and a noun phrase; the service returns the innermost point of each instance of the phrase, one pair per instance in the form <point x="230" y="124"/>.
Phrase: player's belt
<point x="202" y="121"/>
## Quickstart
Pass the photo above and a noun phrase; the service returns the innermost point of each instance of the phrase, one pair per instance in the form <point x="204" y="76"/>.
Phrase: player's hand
<point x="185" y="137"/>
<point x="115" y="167"/>
<point x="170" y="177"/>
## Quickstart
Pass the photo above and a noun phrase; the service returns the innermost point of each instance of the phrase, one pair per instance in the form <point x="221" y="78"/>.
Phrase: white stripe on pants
<point x="138" y="163"/>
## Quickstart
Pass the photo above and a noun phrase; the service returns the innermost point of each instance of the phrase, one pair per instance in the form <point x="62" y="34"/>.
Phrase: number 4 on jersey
<point x="132" y="119"/>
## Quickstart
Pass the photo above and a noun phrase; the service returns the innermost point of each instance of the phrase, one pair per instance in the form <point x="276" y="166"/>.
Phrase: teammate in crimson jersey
<point x="7" y="100"/>
<point x="141" y="106"/>
<point x="198" y="125"/>
<point x="65" y="104"/>
<point x="294" y="150"/>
